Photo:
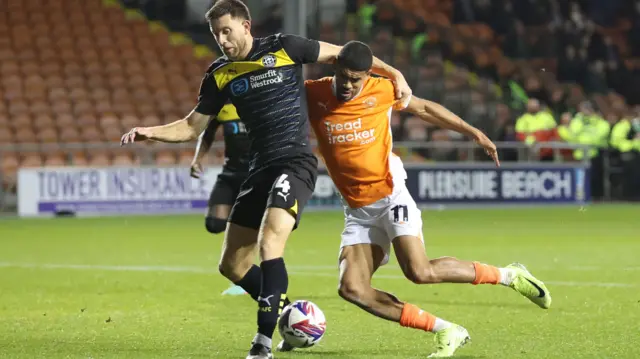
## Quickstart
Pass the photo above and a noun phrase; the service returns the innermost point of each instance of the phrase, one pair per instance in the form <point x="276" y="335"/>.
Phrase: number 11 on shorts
<point x="396" y="213"/>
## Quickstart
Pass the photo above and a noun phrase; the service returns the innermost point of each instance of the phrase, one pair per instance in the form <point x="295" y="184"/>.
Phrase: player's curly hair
<point x="355" y="56"/>
<point x="236" y="8"/>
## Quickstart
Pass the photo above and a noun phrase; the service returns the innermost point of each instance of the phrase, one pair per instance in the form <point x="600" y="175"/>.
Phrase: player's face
<point x="232" y="36"/>
<point x="348" y="83"/>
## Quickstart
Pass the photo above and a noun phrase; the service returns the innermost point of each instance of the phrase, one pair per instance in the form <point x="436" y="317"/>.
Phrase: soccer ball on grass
<point x="302" y="324"/>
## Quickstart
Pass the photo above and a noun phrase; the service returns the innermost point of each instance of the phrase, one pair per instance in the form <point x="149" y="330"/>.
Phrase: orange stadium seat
<point x="64" y="121"/>
<point x="185" y="157"/>
<point x="166" y="158"/>
<point x="47" y="135"/>
<point x="113" y="134"/>
<point x="100" y="159"/>
<point x="124" y="158"/>
<point x="90" y="134"/>
<point x="31" y="160"/>
<point x="69" y="135"/>
<point x="79" y="158"/>
<point x="43" y="121"/>
<point x="9" y="163"/>
<point x="6" y="135"/>
<point x="56" y="159"/>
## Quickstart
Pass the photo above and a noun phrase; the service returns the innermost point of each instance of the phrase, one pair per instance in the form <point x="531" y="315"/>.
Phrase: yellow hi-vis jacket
<point x="623" y="136"/>
<point x="588" y="130"/>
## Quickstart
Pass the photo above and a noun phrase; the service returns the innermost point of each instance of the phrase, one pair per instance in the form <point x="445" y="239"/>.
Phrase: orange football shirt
<point x="354" y="138"/>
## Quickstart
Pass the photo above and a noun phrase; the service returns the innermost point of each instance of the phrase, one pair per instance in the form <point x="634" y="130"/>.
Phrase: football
<point x="302" y="324"/>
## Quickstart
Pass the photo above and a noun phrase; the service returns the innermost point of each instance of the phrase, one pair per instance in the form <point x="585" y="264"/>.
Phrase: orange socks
<point x="486" y="274"/>
<point x="414" y="317"/>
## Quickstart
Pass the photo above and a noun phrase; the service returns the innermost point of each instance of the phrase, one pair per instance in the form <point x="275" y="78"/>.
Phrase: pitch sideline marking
<point x="311" y="271"/>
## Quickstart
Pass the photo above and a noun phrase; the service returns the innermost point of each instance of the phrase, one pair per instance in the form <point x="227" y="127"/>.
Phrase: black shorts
<point x="287" y="185"/>
<point x="226" y="188"/>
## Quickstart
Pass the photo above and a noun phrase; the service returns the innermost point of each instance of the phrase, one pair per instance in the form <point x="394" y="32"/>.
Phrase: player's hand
<point x="489" y="147"/>
<point x="136" y="134"/>
<point x="403" y="91"/>
<point x="196" y="170"/>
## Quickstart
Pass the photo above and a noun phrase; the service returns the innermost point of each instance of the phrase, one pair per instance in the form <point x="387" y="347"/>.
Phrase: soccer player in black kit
<point x="262" y="77"/>
<point x="234" y="170"/>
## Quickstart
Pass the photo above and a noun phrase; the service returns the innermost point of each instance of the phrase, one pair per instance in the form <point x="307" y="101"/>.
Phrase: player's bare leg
<point x="237" y="259"/>
<point x="277" y="225"/>
<point x="357" y="265"/>
<point x="415" y="265"/>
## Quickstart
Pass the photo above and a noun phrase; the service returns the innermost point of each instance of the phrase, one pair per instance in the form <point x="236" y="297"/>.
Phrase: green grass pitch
<point x="147" y="287"/>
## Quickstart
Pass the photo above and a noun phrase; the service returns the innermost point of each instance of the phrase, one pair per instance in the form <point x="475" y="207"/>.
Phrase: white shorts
<point x="379" y="223"/>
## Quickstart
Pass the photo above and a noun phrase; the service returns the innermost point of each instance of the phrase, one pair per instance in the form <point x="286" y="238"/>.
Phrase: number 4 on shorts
<point x="283" y="184"/>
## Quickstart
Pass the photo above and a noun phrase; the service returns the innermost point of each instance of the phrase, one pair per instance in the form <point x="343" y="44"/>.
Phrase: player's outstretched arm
<point x="202" y="148"/>
<point x="329" y="52"/>
<point x="184" y="130"/>
<point x="438" y="115"/>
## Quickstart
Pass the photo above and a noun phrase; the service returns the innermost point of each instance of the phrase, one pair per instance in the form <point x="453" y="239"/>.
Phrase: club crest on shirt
<point x="370" y="102"/>
<point x="269" y="60"/>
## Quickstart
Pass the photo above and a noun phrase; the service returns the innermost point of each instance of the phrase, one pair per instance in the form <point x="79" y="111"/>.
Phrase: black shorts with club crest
<point x="287" y="185"/>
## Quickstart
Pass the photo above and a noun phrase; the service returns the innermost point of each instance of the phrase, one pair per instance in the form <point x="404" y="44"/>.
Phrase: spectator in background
<point x="596" y="82"/>
<point x="610" y="52"/>
<point x="634" y="33"/>
<point x="604" y="12"/>
<point x="502" y="13"/>
<point x="571" y="68"/>
<point x="557" y="18"/>
<point x="564" y="134"/>
<point x="463" y="12"/>
<point x="536" y="126"/>
<point x="504" y="131"/>
<point x="557" y="103"/>
<point x="532" y="12"/>
<point x="534" y="89"/>
<point x="483" y="11"/>
<point x="590" y="129"/>
<point x="515" y="43"/>
<point x="617" y="77"/>
<point x="625" y="144"/>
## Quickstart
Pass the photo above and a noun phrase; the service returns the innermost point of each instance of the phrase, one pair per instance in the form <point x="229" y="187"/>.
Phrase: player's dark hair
<point x="355" y="56"/>
<point x="236" y="8"/>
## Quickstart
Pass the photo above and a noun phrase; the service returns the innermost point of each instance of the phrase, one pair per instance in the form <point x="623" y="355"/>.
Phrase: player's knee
<point x="352" y="291"/>
<point x="215" y="225"/>
<point x="276" y="228"/>
<point x="421" y="274"/>
<point x="229" y="271"/>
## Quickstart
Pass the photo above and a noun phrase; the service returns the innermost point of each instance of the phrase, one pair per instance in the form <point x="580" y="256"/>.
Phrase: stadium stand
<point x="84" y="72"/>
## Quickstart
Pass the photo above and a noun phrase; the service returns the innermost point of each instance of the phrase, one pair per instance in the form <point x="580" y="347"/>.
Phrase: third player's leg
<point x="222" y="198"/>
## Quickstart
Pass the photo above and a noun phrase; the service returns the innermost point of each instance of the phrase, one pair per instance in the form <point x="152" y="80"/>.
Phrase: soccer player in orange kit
<point x="350" y="114"/>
